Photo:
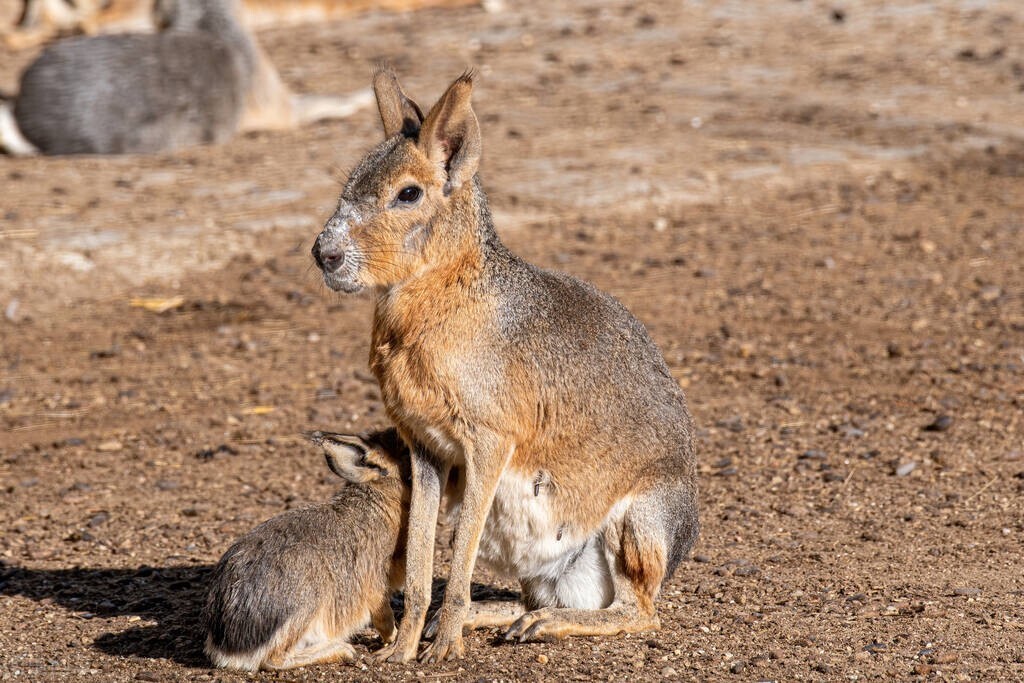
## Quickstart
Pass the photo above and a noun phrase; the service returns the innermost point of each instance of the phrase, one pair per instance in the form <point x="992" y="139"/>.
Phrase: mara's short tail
<point x="11" y="140"/>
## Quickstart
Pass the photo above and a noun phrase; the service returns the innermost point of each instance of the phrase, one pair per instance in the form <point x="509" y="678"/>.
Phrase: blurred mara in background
<point x="199" y="79"/>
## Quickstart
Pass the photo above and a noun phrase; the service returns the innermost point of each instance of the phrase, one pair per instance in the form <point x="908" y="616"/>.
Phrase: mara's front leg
<point x="485" y="462"/>
<point x="427" y="475"/>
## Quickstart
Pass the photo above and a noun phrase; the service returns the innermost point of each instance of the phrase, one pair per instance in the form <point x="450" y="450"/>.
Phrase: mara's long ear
<point x="451" y="134"/>
<point x="398" y="113"/>
<point x="346" y="455"/>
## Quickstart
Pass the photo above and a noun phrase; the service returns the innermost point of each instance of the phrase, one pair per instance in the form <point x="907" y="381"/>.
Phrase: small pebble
<point x="905" y="468"/>
<point x="703" y="559"/>
<point x="990" y="293"/>
<point x="733" y="424"/>
<point x="11" y="311"/>
<point x="542" y="659"/>
<point x="828" y="263"/>
<point x="966" y="590"/>
<point x="669" y="672"/>
<point x="940" y="424"/>
<point x="98" y="519"/>
<point x="943" y="658"/>
<point x="737" y="666"/>
<point x="109" y="446"/>
<point x="148" y="676"/>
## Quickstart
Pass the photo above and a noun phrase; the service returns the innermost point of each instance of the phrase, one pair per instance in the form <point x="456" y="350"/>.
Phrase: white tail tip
<point x="11" y="139"/>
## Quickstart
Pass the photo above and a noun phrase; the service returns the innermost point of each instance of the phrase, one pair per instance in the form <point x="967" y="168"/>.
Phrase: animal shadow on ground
<point x="172" y="597"/>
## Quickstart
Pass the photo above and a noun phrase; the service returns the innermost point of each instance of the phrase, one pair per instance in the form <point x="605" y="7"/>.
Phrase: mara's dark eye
<point x="409" y="194"/>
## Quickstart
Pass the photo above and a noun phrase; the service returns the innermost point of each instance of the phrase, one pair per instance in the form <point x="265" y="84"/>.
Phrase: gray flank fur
<point x="297" y="562"/>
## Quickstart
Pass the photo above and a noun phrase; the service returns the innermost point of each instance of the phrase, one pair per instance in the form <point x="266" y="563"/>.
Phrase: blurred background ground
<point x="817" y="208"/>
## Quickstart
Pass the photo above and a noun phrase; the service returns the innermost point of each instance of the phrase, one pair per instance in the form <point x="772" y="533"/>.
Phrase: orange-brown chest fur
<point x="426" y="335"/>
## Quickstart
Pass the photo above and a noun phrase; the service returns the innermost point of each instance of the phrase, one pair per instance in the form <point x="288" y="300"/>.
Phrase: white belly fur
<point x="520" y="537"/>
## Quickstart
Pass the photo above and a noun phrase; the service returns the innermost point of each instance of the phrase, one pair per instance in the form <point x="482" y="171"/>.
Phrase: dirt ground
<point x="816" y="207"/>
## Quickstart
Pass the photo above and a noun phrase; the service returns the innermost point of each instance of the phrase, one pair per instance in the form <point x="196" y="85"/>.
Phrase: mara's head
<point x="394" y="216"/>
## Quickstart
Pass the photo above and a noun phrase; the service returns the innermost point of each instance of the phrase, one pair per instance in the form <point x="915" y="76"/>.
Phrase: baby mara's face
<point x="360" y="459"/>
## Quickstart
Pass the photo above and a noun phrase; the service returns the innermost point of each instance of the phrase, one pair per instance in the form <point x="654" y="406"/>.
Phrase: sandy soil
<point x="817" y="208"/>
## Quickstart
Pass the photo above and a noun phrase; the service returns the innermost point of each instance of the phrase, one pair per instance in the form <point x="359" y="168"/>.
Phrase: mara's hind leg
<point x="482" y="614"/>
<point x="316" y="652"/>
<point x="642" y="551"/>
<point x="310" y="108"/>
<point x="270" y="105"/>
<point x="323" y="641"/>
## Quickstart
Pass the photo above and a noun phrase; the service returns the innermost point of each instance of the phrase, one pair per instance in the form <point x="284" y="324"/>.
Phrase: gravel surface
<point x="817" y="208"/>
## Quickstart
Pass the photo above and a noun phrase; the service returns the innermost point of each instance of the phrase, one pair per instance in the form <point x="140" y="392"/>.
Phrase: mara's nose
<point x="332" y="259"/>
<point x="328" y="258"/>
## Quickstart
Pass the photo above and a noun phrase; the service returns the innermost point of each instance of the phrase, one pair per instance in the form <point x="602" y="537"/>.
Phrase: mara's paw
<point x="394" y="654"/>
<point x="536" y="625"/>
<point x="444" y="648"/>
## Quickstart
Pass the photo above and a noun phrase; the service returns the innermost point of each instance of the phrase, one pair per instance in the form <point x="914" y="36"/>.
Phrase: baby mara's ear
<point x="398" y="113"/>
<point x="450" y="135"/>
<point x="350" y="457"/>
